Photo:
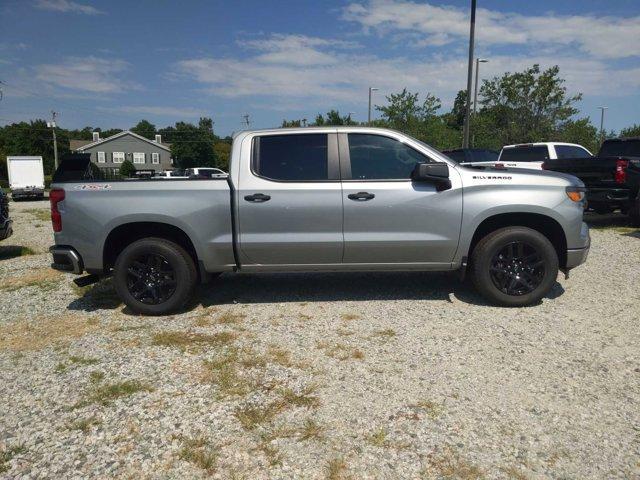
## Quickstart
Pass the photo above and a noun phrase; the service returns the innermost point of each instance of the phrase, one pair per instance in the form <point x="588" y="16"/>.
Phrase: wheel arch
<point x="546" y="225"/>
<point x="125" y="234"/>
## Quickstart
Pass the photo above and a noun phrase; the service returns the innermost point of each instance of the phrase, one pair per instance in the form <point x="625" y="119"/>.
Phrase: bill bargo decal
<point x="491" y="177"/>
<point x="93" y="186"/>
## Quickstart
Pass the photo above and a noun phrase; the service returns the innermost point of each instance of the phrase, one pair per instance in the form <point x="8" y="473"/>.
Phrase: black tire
<point x="532" y="266"/>
<point x="154" y="276"/>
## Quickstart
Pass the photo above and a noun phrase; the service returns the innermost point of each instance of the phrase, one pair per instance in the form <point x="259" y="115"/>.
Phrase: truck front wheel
<point x="154" y="276"/>
<point x="514" y="266"/>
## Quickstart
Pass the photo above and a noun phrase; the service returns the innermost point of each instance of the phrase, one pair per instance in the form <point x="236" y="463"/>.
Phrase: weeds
<point x="450" y="465"/>
<point x="105" y="394"/>
<point x="7" y="454"/>
<point x="11" y="251"/>
<point x="349" y="316"/>
<point x="311" y="430"/>
<point x="198" y="452"/>
<point x="183" y="340"/>
<point x="432" y="409"/>
<point x="337" y="469"/>
<point x="96" y="376"/>
<point x="42" y="278"/>
<point x="39" y="214"/>
<point x="378" y="438"/>
<point x="83" y="360"/>
<point x="84" y="424"/>
<point x="340" y="351"/>
<point x="385" y="334"/>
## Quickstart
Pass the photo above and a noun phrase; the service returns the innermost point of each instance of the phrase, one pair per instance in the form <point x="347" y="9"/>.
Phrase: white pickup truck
<point x="533" y="155"/>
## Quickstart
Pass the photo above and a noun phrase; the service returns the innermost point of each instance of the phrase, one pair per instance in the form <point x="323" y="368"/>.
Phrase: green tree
<point x="223" y="151"/>
<point x="579" y="131"/>
<point x="527" y="106"/>
<point x="291" y="123"/>
<point x="191" y="145"/>
<point x="333" y="117"/>
<point x="632" y="131"/>
<point x="127" y="169"/>
<point x="455" y="118"/>
<point x="145" y="129"/>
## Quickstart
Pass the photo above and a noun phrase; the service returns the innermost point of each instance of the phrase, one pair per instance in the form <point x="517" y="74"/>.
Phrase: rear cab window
<point x="291" y="158"/>
<point x="620" y="148"/>
<point x="525" y="153"/>
<point x="571" y="151"/>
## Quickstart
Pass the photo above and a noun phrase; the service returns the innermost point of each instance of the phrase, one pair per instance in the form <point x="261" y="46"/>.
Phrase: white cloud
<point x="89" y="74"/>
<point x="157" y="110"/>
<point x="342" y="76"/>
<point x="601" y="37"/>
<point x="67" y="6"/>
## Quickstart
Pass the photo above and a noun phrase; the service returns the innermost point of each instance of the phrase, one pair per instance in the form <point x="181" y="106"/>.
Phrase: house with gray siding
<point x="109" y="153"/>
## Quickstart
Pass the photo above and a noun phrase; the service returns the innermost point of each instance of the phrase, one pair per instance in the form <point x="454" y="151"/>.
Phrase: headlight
<point x="576" y="194"/>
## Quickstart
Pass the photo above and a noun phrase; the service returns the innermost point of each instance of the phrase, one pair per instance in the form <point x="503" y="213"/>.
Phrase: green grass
<point x="7" y="454"/>
<point x="40" y="214"/>
<point x="104" y="394"/>
<point x="378" y="438"/>
<point x="11" y="251"/>
<point x="84" y="424"/>
<point x="83" y="360"/>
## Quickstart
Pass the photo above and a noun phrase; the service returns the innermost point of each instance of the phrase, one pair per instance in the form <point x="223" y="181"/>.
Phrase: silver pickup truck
<point x="322" y="199"/>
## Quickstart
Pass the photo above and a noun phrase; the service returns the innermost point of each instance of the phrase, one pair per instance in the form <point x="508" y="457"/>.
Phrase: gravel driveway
<point x="372" y="375"/>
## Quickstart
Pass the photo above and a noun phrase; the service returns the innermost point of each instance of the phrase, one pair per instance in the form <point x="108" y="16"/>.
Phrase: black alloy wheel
<point x="151" y="279"/>
<point x="517" y="269"/>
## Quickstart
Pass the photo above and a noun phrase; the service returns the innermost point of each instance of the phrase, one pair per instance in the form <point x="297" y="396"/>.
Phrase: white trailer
<point x="26" y="177"/>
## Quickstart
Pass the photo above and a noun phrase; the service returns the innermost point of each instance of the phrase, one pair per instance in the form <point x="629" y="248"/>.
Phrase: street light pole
<point x="472" y="28"/>
<point x="602" y="109"/>
<point x="371" y="90"/>
<point x="475" y="90"/>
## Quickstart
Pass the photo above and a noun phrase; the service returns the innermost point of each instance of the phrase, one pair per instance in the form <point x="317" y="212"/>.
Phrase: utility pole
<point x="371" y="90"/>
<point x="52" y="124"/>
<point x="602" y="109"/>
<point x="472" y="28"/>
<point x="475" y="90"/>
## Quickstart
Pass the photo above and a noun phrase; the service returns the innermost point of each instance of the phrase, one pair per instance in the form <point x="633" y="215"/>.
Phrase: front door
<point x="388" y="219"/>
<point x="290" y="201"/>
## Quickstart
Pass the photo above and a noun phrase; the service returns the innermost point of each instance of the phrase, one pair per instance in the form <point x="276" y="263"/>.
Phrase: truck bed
<point x="100" y="207"/>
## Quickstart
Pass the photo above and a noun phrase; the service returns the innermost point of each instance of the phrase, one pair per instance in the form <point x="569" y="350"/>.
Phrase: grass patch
<point x="385" y="334"/>
<point x="230" y="318"/>
<point x="96" y="376"/>
<point x="78" y="360"/>
<point x="432" y="409"/>
<point x="340" y="351"/>
<point x="225" y="372"/>
<point x="337" y="469"/>
<point x="84" y="424"/>
<point x="183" y="340"/>
<point x="12" y="251"/>
<point x="43" y="332"/>
<point x="252" y="416"/>
<point x="43" y="277"/>
<point x="200" y="453"/>
<point x="450" y="465"/>
<point x="349" y="316"/>
<point x="39" y="214"/>
<point x="311" y="430"/>
<point x="377" y="438"/>
<point x="7" y="454"/>
<point x="105" y="394"/>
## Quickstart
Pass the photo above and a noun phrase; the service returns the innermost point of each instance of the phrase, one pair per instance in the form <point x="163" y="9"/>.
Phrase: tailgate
<point x="592" y="171"/>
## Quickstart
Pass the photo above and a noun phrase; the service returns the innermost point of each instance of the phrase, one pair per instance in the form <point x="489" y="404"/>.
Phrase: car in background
<point x="204" y="172"/>
<point x="533" y="155"/>
<point x="6" y="223"/>
<point x="472" y="155"/>
<point x="612" y="177"/>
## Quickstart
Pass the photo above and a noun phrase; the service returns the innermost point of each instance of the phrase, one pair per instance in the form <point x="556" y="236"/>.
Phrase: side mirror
<point x="437" y="173"/>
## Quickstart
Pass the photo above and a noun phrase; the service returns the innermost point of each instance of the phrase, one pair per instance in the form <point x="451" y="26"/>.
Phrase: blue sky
<point x="111" y="63"/>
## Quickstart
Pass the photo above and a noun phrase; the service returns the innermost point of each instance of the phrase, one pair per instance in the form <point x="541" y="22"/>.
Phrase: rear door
<point x="290" y="200"/>
<point x="388" y="219"/>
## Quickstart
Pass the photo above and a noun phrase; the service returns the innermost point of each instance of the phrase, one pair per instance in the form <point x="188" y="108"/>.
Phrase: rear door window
<point x="291" y="158"/>
<point x="570" y="151"/>
<point x="525" y="154"/>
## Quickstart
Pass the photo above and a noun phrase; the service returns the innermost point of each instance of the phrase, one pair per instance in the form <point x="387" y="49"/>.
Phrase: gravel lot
<point x="394" y="375"/>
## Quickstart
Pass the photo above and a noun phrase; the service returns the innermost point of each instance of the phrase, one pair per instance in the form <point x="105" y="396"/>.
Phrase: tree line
<point x="521" y="107"/>
<point x="528" y="106"/>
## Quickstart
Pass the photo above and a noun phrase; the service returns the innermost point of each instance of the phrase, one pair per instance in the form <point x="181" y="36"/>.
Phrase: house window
<point x="118" y="157"/>
<point x="101" y="157"/>
<point x="155" y="158"/>
<point x="138" y="157"/>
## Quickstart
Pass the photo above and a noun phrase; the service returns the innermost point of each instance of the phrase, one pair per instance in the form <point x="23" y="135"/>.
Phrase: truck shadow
<point x="233" y="289"/>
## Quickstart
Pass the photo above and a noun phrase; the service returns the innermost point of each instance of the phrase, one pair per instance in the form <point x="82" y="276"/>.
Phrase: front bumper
<point x="577" y="256"/>
<point x="66" y="259"/>
<point x="6" y="230"/>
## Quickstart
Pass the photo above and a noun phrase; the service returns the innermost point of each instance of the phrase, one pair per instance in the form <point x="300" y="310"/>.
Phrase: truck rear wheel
<point x="514" y="266"/>
<point x="154" y="276"/>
